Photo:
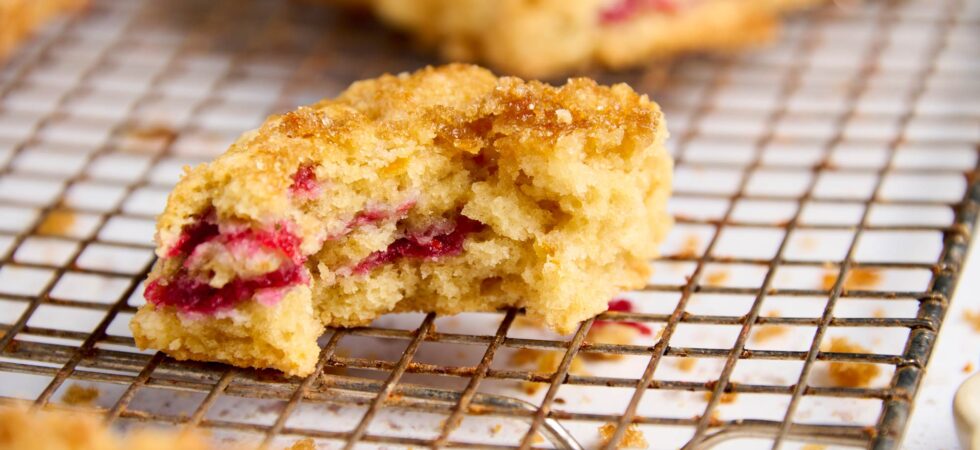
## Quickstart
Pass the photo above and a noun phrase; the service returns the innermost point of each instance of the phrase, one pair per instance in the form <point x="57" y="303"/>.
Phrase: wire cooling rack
<point x="848" y="151"/>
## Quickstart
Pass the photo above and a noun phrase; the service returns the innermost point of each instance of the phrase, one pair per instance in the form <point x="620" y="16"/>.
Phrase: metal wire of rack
<point x="850" y="146"/>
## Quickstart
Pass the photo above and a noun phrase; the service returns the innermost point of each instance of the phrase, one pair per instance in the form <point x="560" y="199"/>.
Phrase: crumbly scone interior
<point x="447" y="191"/>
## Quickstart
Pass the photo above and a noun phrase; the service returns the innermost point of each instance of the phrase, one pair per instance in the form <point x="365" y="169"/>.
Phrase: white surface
<point x="931" y="426"/>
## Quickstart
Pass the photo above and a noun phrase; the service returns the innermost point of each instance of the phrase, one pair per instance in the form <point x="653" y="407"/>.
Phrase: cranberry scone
<point x="18" y="18"/>
<point x="446" y="190"/>
<point x="551" y="37"/>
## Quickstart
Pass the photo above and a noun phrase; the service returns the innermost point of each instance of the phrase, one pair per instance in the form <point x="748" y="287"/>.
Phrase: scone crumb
<point x="726" y="397"/>
<point x="564" y="116"/>
<point x="973" y="318"/>
<point x="57" y="223"/>
<point x="968" y="367"/>
<point x="524" y="356"/>
<point x="612" y="333"/>
<point x="689" y="249"/>
<point x="850" y="374"/>
<point x="686" y="364"/>
<point x="813" y="447"/>
<point x="857" y="278"/>
<point x="546" y="362"/>
<point x="716" y="278"/>
<point x="766" y="333"/>
<point x="809" y="243"/>
<point x="304" y="444"/>
<point x="496" y="429"/>
<point x="714" y="419"/>
<point x="633" y="438"/>
<point x="152" y="132"/>
<point x="79" y="395"/>
<point x="537" y="439"/>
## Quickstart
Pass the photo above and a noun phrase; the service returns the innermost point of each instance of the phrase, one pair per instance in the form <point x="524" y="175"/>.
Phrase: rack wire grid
<point x="850" y="147"/>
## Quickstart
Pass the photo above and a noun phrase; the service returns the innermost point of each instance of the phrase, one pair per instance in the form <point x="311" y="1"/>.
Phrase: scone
<point x="546" y="38"/>
<point x="446" y="190"/>
<point x="61" y="430"/>
<point x="18" y="18"/>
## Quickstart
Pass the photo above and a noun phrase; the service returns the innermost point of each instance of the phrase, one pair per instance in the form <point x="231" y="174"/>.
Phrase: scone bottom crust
<point x="446" y="190"/>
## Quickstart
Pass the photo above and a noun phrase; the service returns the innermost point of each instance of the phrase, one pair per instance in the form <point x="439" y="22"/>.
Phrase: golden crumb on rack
<point x="632" y="438"/>
<point x="611" y="333"/>
<point x="850" y="374"/>
<point x="445" y="190"/>
<point x="685" y="363"/>
<point x="809" y="243"/>
<point x="553" y="37"/>
<point x="152" y="132"/>
<point x="496" y="429"/>
<point x="968" y="367"/>
<point x="717" y="277"/>
<point x="690" y="247"/>
<point x="477" y="409"/>
<point x="765" y="333"/>
<point x="545" y="362"/>
<point x="79" y="395"/>
<point x="726" y="397"/>
<point x="972" y="318"/>
<point x="858" y="278"/>
<point x="714" y="419"/>
<point x="57" y="223"/>
<point x="813" y="447"/>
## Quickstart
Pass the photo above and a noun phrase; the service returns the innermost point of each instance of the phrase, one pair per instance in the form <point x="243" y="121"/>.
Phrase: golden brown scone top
<point x="464" y="105"/>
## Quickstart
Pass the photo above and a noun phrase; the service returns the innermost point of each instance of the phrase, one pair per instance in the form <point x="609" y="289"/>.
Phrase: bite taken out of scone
<point x="445" y="190"/>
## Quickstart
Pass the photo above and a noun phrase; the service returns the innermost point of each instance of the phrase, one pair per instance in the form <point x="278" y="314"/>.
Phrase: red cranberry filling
<point x="278" y="239"/>
<point x="194" y="234"/>
<point x="374" y="214"/>
<point x="434" y="243"/>
<point x="206" y="229"/>
<point x="190" y="295"/>
<point x="623" y="305"/>
<point x="624" y="10"/>
<point x="305" y="184"/>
